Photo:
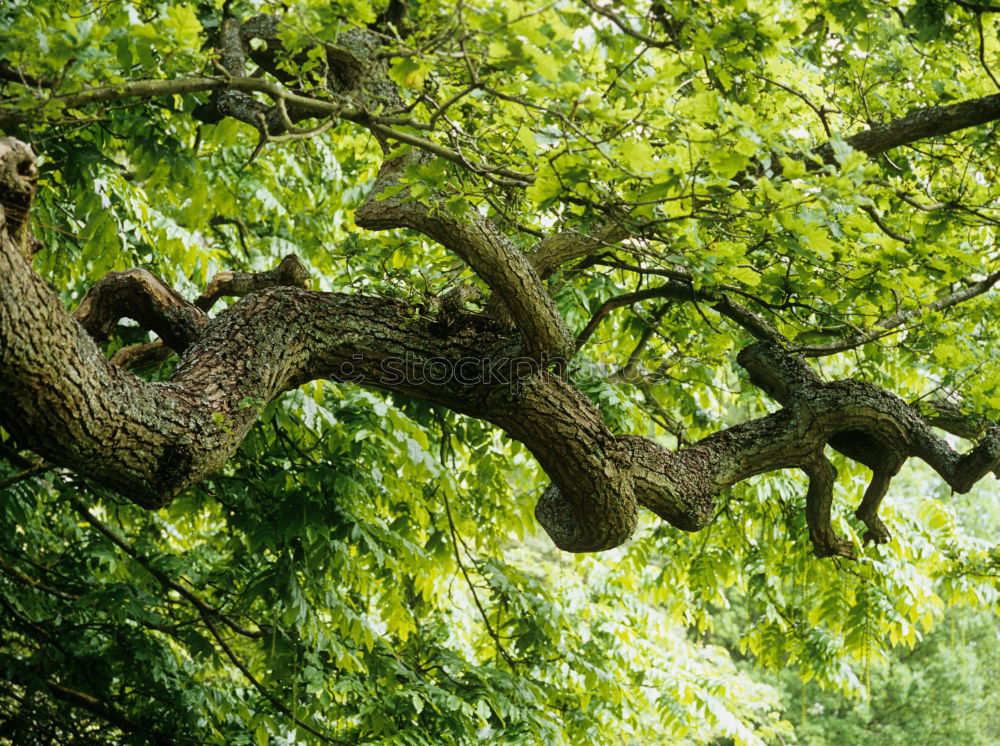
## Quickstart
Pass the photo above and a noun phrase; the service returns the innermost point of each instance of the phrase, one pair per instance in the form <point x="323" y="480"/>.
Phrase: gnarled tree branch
<point x="143" y="297"/>
<point x="149" y="441"/>
<point x="491" y="255"/>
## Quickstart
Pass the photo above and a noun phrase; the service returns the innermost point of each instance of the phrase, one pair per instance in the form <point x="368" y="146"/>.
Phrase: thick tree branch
<point x="149" y="441"/>
<point x="490" y="254"/>
<point x="59" y="397"/>
<point x="920" y="124"/>
<point x="554" y="251"/>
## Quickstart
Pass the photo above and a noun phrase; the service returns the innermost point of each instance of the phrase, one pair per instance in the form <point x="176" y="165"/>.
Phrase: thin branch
<point x="203" y="607"/>
<point x="625" y="28"/>
<point x="317" y="107"/>
<point x="896" y="320"/>
<point x="675" y="291"/>
<point x="886" y="229"/>
<point x="821" y="113"/>
<point x="22" y="475"/>
<point x="263" y="690"/>
<point x="757" y="327"/>
<point x="17" y="75"/>
<point x="629" y="369"/>
<point x="982" y="49"/>
<point x="472" y="589"/>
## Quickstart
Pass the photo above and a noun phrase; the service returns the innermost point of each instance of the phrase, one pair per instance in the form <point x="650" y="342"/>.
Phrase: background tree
<point x="605" y="232"/>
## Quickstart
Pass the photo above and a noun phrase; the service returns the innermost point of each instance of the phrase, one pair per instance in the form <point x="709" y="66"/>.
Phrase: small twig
<point x="820" y="112"/>
<point x="982" y="49"/>
<point x="475" y="597"/>
<point x="278" y="705"/>
<point x="886" y="229"/>
<point x="165" y="580"/>
<point x="891" y="324"/>
<point x="22" y="475"/>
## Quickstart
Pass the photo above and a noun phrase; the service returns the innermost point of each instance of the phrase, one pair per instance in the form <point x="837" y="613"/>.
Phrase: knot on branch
<point x="18" y="178"/>
<point x="581" y="525"/>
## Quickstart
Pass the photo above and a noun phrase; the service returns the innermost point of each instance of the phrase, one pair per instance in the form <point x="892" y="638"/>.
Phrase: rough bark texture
<point x="60" y="397"/>
<point x="921" y="124"/>
<point x="490" y="254"/>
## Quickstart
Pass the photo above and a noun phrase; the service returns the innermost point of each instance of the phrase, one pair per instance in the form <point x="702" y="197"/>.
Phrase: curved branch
<point x="757" y="327"/>
<point x="141" y="296"/>
<point x="149" y="441"/>
<point x="873" y="426"/>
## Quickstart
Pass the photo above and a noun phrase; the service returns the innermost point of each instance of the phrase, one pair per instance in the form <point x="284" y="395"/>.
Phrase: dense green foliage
<point x="367" y="568"/>
<point x="940" y="692"/>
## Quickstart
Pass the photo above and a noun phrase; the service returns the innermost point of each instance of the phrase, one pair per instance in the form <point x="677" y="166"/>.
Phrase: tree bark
<point x="62" y="399"/>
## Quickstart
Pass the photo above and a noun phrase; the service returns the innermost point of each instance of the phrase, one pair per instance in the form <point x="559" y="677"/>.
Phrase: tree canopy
<point x="313" y="312"/>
